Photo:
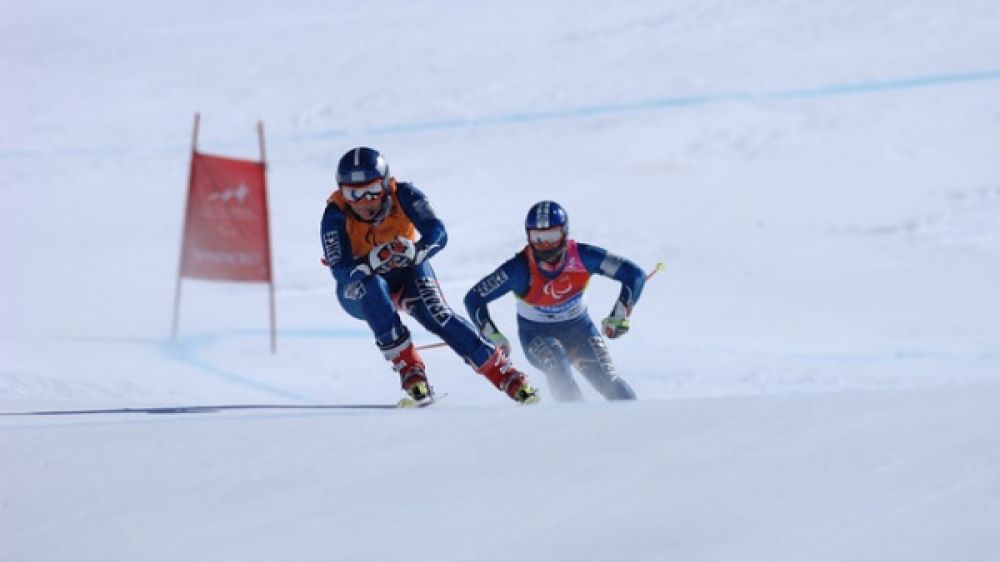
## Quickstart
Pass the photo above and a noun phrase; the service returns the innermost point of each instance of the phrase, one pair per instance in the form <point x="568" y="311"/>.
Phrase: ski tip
<point x="407" y="402"/>
<point x="533" y="399"/>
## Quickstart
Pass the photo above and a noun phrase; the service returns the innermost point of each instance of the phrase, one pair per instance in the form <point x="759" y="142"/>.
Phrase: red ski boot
<point x="406" y="362"/>
<point x="499" y="371"/>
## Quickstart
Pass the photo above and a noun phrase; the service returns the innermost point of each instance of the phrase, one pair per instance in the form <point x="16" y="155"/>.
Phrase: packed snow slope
<point x="816" y="365"/>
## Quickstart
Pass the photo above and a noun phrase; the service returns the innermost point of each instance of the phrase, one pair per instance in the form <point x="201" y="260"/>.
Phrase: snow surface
<point x="817" y="364"/>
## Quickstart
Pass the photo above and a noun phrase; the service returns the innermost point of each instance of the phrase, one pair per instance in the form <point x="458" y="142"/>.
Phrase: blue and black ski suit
<point x="554" y="327"/>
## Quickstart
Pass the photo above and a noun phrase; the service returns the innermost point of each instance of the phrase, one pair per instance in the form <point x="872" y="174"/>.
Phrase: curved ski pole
<point x="656" y="269"/>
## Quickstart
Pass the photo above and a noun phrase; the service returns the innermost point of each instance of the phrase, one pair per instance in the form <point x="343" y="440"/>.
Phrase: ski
<point x="221" y="408"/>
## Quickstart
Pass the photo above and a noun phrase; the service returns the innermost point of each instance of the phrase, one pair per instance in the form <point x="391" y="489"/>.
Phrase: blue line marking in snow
<point x="188" y="351"/>
<point x="884" y="85"/>
<point x="832" y="90"/>
<point x="586" y="111"/>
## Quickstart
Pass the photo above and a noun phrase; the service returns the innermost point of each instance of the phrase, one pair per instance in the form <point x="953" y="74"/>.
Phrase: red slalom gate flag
<point x="226" y="229"/>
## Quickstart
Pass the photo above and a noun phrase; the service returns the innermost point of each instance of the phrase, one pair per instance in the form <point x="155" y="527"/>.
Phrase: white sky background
<point x="820" y="179"/>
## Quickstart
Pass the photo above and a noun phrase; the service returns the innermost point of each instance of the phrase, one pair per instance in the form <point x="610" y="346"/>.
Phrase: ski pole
<point x="656" y="269"/>
<point x="430" y="345"/>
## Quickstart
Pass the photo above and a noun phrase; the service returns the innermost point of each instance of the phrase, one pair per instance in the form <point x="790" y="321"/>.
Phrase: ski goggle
<point x="367" y="191"/>
<point x="546" y="238"/>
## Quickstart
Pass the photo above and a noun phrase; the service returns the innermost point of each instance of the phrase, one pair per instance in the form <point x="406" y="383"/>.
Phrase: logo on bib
<point x="557" y="292"/>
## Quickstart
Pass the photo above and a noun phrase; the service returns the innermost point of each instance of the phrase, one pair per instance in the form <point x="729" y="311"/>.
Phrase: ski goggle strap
<point x="367" y="191"/>
<point x="546" y="238"/>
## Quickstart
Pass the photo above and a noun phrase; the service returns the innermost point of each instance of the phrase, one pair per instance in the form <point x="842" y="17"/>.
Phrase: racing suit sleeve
<point x="600" y="261"/>
<point x="433" y="236"/>
<point x="512" y="275"/>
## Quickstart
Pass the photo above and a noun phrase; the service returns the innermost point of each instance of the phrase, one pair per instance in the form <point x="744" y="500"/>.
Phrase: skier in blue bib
<point x="549" y="277"/>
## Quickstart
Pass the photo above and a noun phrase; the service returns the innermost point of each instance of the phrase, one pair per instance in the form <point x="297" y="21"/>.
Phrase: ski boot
<point x="412" y="376"/>
<point x="499" y="371"/>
